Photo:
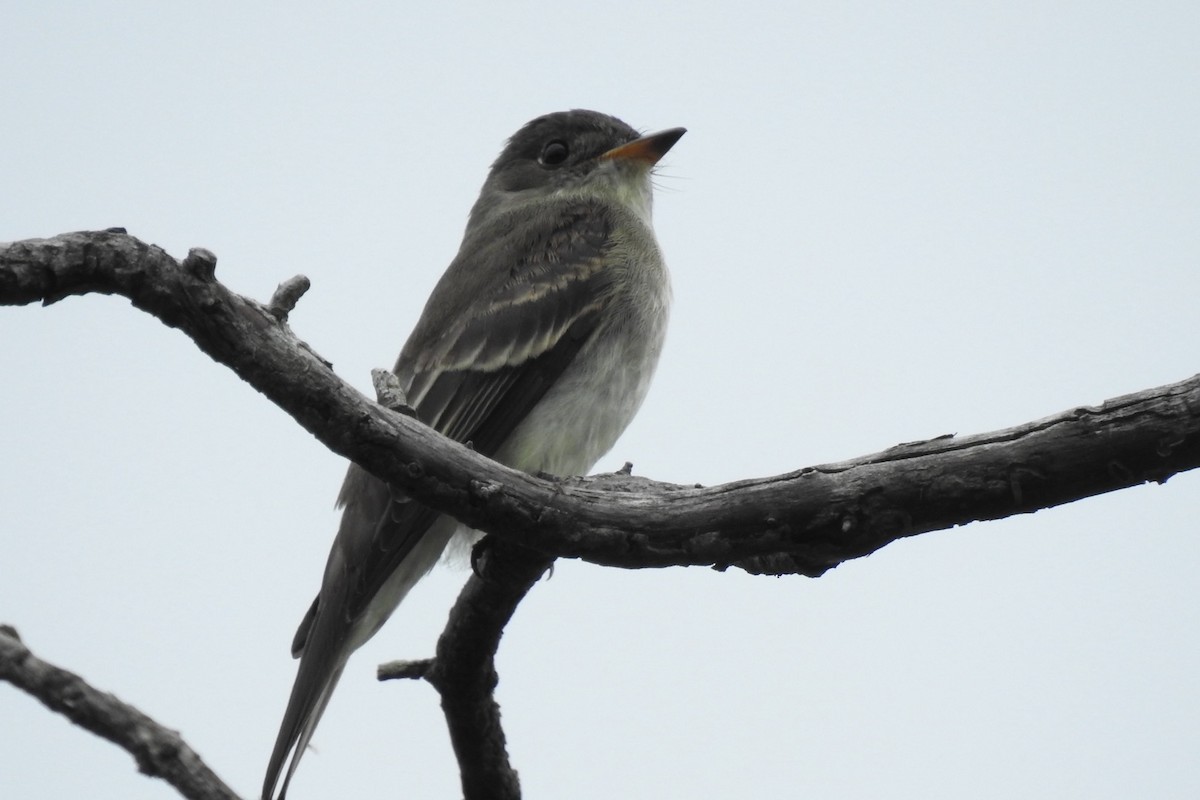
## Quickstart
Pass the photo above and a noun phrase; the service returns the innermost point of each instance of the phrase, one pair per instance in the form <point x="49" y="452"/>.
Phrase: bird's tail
<point x="382" y="549"/>
<point x="317" y="677"/>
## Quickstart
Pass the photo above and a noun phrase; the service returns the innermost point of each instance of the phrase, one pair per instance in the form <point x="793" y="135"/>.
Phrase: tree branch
<point x="803" y="522"/>
<point x="159" y="752"/>
<point x="464" y="670"/>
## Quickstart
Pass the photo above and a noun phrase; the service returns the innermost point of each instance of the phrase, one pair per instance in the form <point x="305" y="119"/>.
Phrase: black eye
<point x="553" y="154"/>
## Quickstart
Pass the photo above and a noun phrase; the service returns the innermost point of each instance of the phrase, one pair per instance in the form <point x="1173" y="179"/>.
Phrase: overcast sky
<point x="883" y="225"/>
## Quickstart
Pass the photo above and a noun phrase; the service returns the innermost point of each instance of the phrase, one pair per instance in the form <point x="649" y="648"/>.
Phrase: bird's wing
<point x="475" y="367"/>
<point x="477" y="378"/>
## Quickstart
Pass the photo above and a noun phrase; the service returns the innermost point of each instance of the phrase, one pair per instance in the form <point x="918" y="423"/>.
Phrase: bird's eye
<point x="553" y="154"/>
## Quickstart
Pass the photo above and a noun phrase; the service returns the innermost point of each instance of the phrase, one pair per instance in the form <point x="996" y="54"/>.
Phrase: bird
<point x="536" y="347"/>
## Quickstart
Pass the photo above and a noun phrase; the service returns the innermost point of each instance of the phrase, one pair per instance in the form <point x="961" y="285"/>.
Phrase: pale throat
<point x="627" y="188"/>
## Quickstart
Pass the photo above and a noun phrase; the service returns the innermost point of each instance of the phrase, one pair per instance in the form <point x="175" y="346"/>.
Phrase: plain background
<point x="883" y="224"/>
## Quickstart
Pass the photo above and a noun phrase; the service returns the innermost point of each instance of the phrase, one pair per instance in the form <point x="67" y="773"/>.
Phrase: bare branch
<point x="804" y="522"/>
<point x="199" y="262"/>
<point x="159" y="752"/>
<point x="287" y="294"/>
<point x="404" y="670"/>
<point x="464" y="670"/>
<point x="390" y="394"/>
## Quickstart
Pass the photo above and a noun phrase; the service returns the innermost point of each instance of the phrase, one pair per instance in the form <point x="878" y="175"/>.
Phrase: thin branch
<point x="287" y="294"/>
<point x="158" y="751"/>
<point x="803" y="522"/>
<point x="464" y="670"/>
<point x="404" y="669"/>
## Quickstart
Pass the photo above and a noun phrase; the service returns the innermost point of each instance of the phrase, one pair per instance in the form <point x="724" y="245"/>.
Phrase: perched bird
<point x="537" y="347"/>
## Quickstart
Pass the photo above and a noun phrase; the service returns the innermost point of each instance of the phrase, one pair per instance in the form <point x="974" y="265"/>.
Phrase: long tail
<point x="382" y="549"/>
<point x="320" y="668"/>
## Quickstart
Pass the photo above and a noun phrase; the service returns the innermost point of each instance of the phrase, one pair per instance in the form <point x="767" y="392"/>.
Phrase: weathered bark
<point x="804" y="522"/>
<point x="159" y="752"/>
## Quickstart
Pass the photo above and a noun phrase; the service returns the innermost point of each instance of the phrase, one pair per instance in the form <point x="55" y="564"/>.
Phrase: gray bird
<point x="537" y="347"/>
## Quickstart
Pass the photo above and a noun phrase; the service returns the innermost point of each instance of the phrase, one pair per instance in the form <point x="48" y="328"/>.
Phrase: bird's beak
<point x="647" y="149"/>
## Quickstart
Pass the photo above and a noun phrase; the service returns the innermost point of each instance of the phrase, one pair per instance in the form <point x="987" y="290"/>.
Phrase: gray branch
<point x="159" y="752"/>
<point x="804" y="522"/>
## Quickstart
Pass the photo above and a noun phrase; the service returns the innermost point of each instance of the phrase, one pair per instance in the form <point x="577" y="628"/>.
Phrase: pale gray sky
<point x="884" y="224"/>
